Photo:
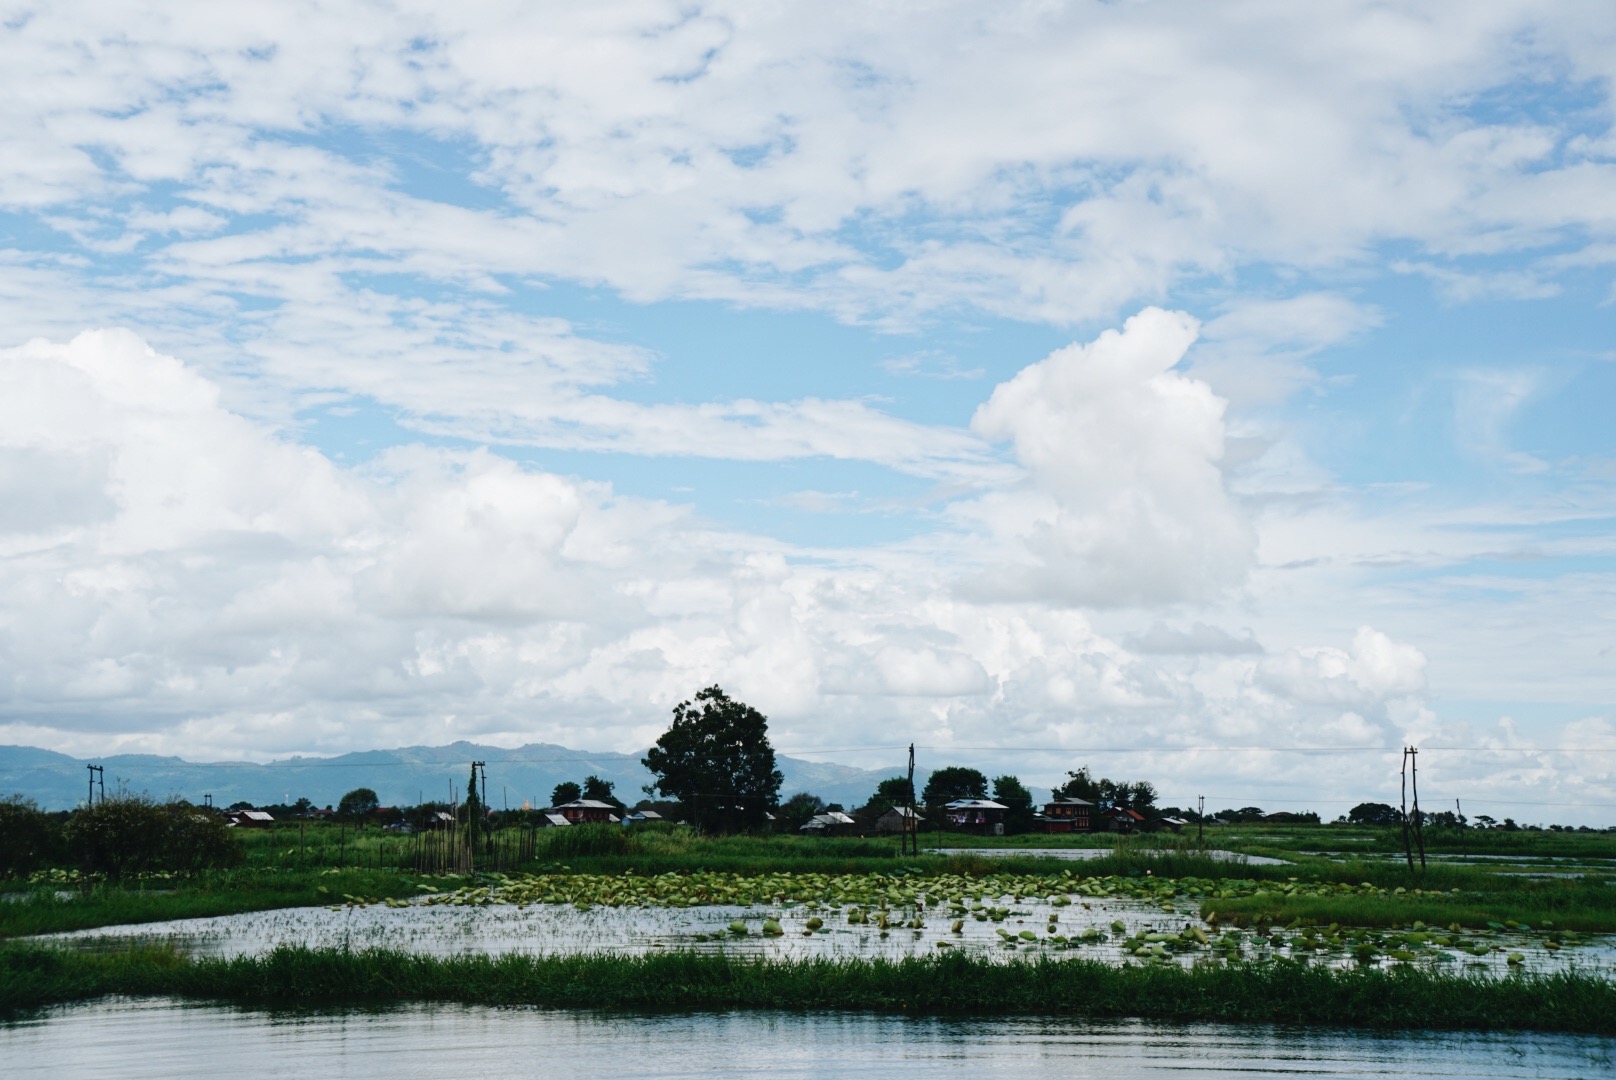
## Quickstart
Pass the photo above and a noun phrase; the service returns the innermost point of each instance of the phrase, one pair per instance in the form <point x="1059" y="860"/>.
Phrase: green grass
<point x="954" y="984"/>
<point x="1566" y="904"/>
<point x="281" y="874"/>
<point x="214" y="893"/>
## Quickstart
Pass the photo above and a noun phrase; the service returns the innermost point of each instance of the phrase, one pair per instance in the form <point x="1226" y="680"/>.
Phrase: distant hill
<point x="402" y="776"/>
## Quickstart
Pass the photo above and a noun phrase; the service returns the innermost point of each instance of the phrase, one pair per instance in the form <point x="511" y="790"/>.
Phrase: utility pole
<point x="912" y="824"/>
<point x="479" y="769"/>
<point x="98" y="775"/>
<point x="207" y="800"/>
<point x="1200" y="821"/>
<point x="1408" y="849"/>
<point x="1419" y="819"/>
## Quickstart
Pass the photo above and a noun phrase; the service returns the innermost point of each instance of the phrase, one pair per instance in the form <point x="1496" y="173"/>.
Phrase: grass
<point x="1283" y="992"/>
<point x="281" y="874"/>
<point x="214" y="893"/>
<point x="1566" y="905"/>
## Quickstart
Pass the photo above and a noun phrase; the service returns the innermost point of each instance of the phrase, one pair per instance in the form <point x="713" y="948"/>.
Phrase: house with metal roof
<point x="976" y="816"/>
<point x="586" y="812"/>
<point x="830" y="823"/>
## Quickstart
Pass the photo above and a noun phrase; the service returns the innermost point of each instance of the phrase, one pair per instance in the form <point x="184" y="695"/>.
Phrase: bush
<point x="29" y="838"/>
<point x="133" y="833"/>
<point x="575" y="841"/>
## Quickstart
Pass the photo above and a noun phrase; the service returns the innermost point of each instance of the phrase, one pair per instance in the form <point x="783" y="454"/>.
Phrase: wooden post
<point x="909" y="827"/>
<point x="1419" y="823"/>
<point x="1408" y="850"/>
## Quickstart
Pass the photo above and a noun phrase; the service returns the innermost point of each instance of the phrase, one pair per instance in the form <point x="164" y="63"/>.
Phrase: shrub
<point x="134" y="833"/>
<point x="29" y="838"/>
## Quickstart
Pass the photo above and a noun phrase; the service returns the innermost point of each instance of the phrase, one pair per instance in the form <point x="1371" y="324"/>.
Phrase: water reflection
<point x="168" y="1039"/>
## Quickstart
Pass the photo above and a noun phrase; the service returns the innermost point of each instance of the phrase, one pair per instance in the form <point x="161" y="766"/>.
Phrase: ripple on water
<point x="137" y="1039"/>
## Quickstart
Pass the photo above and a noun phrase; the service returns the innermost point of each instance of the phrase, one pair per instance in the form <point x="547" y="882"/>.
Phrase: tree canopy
<point x="1139" y="795"/>
<point x="795" y="811"/>
<point x="358" y="803"/>
<point x="566" y="792"/>
<point x="716" y="760"/>
<point x="1375" y="813"/>
<point x="952" y="783"/>
<point x="601" y="791"/>
<point x="893" y="791"/>
<point x="1013" y="794"/>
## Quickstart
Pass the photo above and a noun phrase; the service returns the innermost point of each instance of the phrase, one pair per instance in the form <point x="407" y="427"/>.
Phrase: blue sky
<point x="1010" y="377"/>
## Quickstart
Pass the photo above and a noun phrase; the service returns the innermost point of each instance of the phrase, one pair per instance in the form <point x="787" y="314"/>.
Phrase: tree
<point x="28" y="836"/>
<point x="795" y="811"/>
<point x="1374" y="813"/>
<point x="132" y="833"/>
<point x="566" y="792"/>
<point x="891" y="792"/>
<point x="1009" y="791"/>
<point x="1139" y="795"/>
<point x="1079" y="785"/>
<point x="716" y="759"/>
<point x="601" y="791"/>
<point x="954" y="783"/>
<point x="358" y="803"/>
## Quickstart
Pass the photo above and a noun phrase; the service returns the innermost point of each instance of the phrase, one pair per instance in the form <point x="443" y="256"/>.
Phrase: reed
<point x="953" y="984"/>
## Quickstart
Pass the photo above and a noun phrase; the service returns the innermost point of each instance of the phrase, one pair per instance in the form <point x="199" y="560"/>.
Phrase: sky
<point x="1218" y="395"/>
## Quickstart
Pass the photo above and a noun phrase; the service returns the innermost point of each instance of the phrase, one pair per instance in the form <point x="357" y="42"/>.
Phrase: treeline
<point x="116" y="837"/>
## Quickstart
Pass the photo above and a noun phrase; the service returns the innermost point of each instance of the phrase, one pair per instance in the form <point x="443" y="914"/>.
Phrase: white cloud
<point x="1126" y="502"/>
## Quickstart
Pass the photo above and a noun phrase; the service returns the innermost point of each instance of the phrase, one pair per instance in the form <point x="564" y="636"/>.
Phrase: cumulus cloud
<point x="199" y="571"/>
<point x="383" y="184"/>
<point x="1126" y="502"/>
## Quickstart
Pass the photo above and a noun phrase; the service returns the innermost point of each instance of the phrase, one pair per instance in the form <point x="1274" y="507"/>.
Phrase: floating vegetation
<point x="965" y="894"/>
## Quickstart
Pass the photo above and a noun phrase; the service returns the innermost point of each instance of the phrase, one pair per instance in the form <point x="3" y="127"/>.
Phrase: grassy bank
<point x="953" y="984"/>
<point x="1565" y="904"/>
<point x="216" y="893"/>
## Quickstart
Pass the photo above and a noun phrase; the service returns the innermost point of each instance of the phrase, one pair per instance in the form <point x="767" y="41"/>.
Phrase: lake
<point x="160" y="1038"/>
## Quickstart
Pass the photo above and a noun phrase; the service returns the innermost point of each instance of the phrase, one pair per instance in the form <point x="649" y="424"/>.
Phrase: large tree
<point x="716" y="760"/>
<point x="952" y="783"/>
<point x="601" y="791"/>
<point x="1012" y="793"/>
<point x="358" y="804"/>
<point x="566" y="792"/>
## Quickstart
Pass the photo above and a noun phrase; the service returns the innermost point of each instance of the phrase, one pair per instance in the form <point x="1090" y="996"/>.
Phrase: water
<point x="160" y="1038"/>
<point x="553" y="929"/>
<point x="1081" y="853"/>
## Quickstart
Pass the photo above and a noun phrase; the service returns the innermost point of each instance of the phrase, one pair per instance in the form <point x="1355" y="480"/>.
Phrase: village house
<point x="830" y="823"/>
<point x="976" y="816"/>
<point x="586" y="812"/>
<point x="1123" y="820"/>
<point x="250" y="819"/>
<point x="1067" y="815"/>
<point x="899" y="819"/>
<point x="641" y="817"/>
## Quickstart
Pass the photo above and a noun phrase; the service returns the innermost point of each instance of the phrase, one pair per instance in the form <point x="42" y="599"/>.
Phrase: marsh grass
<point x="1282" y="992"/>
<point x="1484" y="894"/>
<point x="220" y="893"/>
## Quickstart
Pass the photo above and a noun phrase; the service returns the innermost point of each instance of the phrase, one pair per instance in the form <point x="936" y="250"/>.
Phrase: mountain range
<point x="403" y="776"/>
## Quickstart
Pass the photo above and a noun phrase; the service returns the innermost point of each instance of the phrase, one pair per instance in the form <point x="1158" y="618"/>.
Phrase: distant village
<point x="955" y="799"/>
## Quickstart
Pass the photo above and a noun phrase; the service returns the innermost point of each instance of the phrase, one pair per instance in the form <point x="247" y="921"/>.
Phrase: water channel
<point x="133" y="1039"/>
